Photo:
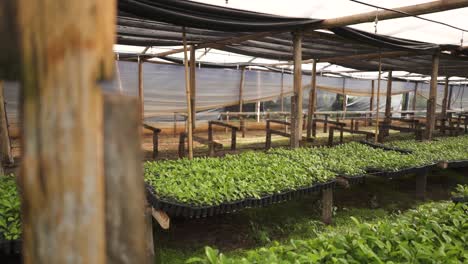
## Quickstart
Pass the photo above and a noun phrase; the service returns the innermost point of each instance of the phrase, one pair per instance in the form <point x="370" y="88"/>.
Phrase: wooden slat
<point x="125" y="199"/>
<point x="66" y="47"/>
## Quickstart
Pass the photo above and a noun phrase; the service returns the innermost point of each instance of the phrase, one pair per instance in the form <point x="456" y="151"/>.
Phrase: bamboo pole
<point x="189" y="101"/>
<point x="241" y="101"/>
<point x="376" y="138"/>
<point x="193" y="89"/>
<point x="66" y="47"/>
<point x="445" y="100"/>
<point x="312" y="98"/>
<point x="5" y="143"/>
<point x="140" y="89"/>
<point x="431" y="103"/>
<point x="296" y="99"/>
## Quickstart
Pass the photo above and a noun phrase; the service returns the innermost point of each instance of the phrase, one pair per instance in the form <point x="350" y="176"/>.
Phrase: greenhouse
<point x="205" y="131"/>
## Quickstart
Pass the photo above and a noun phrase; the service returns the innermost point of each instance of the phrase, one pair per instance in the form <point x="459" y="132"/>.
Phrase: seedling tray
<point x="10" y="247"/>
<point x="381" y="146"/>
<point x="403" y="172"/>
<point x="354" y="180"/>
<point x="457" y="164"/>
<point x="191" y="211"/>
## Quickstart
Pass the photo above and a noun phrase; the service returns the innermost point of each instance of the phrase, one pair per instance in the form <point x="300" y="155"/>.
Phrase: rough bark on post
<point x="296" y="100"/>
<point x="5" y="144"/>
<point x="431" y="103"/>
<point x="66" y="47"/>
<point x="327" y="205"/>
<point x="193" y="87"/>
<point x="312" y="99"/>
<point x="125" y="200"/>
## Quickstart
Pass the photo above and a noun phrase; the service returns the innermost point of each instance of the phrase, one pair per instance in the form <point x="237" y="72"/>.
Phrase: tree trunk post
<point x="241" y="102"/>
<point x="431" y="103"/>
<point x="327" y="205"/>
<point x="66" y="47"/>
<point x="193" y="86"/>
<point x="5" y="143"/>
<point x="296" y="99"/>
<point x="312" y="99"/>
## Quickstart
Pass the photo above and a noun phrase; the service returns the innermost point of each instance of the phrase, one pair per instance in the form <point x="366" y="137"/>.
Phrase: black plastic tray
<point x="10" y="247"/>
<point x="460" y="199"/>
<point x="354" y="180"/>
<point x="457" y="164"/>
<point x="190" y="211"/>
<point x="403" y="172"/>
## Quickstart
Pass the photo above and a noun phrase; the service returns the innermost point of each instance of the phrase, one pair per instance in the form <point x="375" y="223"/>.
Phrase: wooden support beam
<point x="66" y="47"/>
<point x="296" y="99"/>
<point x="327" y="206"/>
<point x="141" y="95"/>
<point x="282" y="92"/>
<point x="241" y="101"/>
<point x="312" y="99"/>
<point x="388" y="102"/>
<point x="377" y="108"/>
<point x="445" y="100"/>
<point x="125" y="199"/>
<point x="449" y="100"/>
<point x="5" y="143"/>
<point x="193" y="89"/>
<point x="420" y="9"/>
<point x="431" y="103"/>
<point x="371" y="102"/>
<point x="188" y="91"/>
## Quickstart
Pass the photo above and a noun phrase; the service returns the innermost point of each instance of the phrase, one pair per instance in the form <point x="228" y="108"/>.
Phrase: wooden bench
<point x="211" y="142"/>
<point x="156" y="132"/>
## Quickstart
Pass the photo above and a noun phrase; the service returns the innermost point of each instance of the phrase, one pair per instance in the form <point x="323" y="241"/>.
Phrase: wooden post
<point x="376" y="138"/>
<point x="371" y="107"/>
<point x="421" y="183"/>
<point x="141" y="95"/>
<point x="193" y="87"/>
<point x="312" y="99"/>
<point x="268" y="136"/>
<point x="449" y="100"/>
<point x="188" y="92"/>
<point x="415" y="96"/>
<point x="431" y="103"/>
<point x="5" y="144"/>
<point x="182" y="144"/>
<point x="211" y="150"/>
<point x="66" y="47"/>
<point x="331" y="133"/>
<point x="125" y="199"/>
<point x="155" y="144"/>
<point x="445" y="100"/>
<point x="149" y="240"/>
<point x="241" y="101"/>
<point x="388" y="106"/>
<point x="233" y="138"/>
<point x="327" y="205"/>
<point x="325" y="124"/>
<point x="296" y="99"/>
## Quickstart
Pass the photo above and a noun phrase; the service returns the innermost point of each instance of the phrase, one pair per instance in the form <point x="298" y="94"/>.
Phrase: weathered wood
<point x="282" y="92"/>
<point x="327" y="205"/>
<point x="233" y="139"/>
<point x="415" y="96"/>
<point x="193" y="88"/>
<point x="268" y="136"/>
<point x="125" y="200"/>
<point x="211" y="150"/>
<point x="388" y="101"/>
<point x="331" y="133"/>
<point x="296" y="99"/>
<point x="141" y="96"/>
<point x="66" y="46"/>
<point x="449" y="100"/>
<point x="312" y="99"/>
<point x="182" y="145"/>
<point x="149" y="243"/>
<point x="431" y="102"/>
<point x="376" y="138"/>
<point x="5" y="143"/>
<point x="420" y="9"/>
<point x="162" y="218"/>
<point x="188" y="91"/>
<point x="371" y="102"/>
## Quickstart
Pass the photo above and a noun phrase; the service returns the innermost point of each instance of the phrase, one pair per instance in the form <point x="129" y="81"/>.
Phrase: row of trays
<point x="190" y="211"/>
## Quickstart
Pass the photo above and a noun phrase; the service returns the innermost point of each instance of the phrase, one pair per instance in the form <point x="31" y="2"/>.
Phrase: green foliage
<point x="212" y="181"/>
<point x="442" y="149"/>
<point x="461" y="191"/>
<point x="10" y="222"/>
<point x="432" y="233"/>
